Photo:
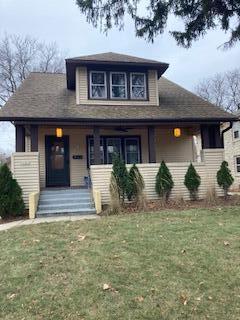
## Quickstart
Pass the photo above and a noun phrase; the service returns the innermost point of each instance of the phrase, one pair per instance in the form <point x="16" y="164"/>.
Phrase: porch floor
<point x="65" y="201"/>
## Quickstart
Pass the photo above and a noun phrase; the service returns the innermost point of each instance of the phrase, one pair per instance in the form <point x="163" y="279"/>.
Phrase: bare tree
<point x="21" y="55"/>
<point x="222" y="89"/>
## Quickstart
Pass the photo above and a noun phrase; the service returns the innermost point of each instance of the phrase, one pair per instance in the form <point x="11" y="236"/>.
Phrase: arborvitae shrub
<point x="11" y="201"/>
<point x="121" y="175"/>
<point x="164" y="182"/>
<point x="192" y="181"/>
<point x="135" y="184"/>
<point x="224" y="178"/>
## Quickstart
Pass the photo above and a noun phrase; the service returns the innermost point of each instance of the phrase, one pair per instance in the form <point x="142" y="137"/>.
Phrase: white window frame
<point x="120" y="85"/>
<point x="236" y="127"/>
<point x="237" y="165"/>
<point x="125" y="148"/>
<point x="131" y="85"/>
<point x="92" y="84"/>
<point x="236" y="138"/>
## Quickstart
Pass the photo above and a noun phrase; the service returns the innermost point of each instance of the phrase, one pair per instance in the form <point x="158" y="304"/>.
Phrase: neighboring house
<point x="108" y="103"/>
<point x="232" y="152"/>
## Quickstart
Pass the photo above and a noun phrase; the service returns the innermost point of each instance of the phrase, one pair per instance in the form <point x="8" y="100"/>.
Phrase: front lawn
<point x="168" y="265"/>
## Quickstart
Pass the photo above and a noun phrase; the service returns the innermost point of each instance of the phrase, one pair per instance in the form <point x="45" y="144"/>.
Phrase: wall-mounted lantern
<point x="59" y="132"/>
<point x="177" y="132"/>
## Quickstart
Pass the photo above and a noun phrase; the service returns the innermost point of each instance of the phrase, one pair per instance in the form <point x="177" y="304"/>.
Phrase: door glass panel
<point x="57" y="156"/>
<point x="113" y="147"/>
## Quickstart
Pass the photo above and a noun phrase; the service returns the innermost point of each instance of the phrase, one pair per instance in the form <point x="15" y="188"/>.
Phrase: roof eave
<point x="89" y="120"/>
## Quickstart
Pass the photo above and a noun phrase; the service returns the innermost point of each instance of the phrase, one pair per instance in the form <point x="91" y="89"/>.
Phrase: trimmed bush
<point x="121" y="175"/>
<point x="192" y="181"/>
<point x="135" y="184"/>
<point x="224" y="178"/>
<point x="164" y="182"/>
<point x="11" y="201"/>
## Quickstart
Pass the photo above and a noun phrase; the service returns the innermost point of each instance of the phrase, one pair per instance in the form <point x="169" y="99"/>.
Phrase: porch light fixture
<point x="177" y="132"/>
<point x="59" y="132"/>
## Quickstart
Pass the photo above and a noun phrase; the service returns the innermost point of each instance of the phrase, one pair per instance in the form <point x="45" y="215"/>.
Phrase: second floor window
<point x="138" y="86"/>
<point x="98" y="85"/>
<point x="118" y="84"/>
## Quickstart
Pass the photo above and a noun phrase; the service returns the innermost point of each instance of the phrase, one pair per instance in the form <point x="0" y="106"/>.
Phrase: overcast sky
<point x="60" y="21"/>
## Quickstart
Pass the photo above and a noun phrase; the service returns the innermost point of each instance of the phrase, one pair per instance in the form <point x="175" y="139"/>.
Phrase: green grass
<point x="168" y="265"/>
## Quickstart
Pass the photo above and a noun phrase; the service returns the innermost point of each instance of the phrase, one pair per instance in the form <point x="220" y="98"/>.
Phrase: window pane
<point x="113" y="147"/>
<point x="238" y="168"/>
<point x="138" y="92"/>
<point x="98" y="92"/>
<point x="118" y="92"/>
<point x="137" y="79"/>
<point x="236" y="134"/>
<point x="98" y="78"/>
<point x="118" y="79"/>
<point x="132" y="151"/>
<point x="238" y="160"/>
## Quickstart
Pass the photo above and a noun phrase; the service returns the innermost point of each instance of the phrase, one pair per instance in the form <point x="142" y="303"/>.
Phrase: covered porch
<point x="67" y="151"/>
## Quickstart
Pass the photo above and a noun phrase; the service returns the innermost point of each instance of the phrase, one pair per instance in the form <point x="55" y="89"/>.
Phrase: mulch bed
<point x="180" y="204"/>
<point x="25" y="216"/>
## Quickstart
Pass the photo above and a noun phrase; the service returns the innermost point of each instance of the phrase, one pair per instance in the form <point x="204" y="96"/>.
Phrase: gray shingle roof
<point x="114" y="57"/>
<point x="44" y="95"/>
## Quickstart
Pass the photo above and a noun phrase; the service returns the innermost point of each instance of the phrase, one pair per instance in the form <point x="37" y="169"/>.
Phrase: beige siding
<point x="171" y="149"/>
<point x="232" y="150"/>
<point x="82" y="90"/>
<point x="25" y="168"/>
<point x="207" y="170"/>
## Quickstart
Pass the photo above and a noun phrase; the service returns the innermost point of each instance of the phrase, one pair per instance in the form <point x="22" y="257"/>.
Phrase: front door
<point x="57" y="161"/>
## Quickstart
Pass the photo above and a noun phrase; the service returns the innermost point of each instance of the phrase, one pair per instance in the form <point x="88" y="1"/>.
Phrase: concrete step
<point x="65" y="201"/>
<point x="53" y="200"/>
<point x="65" y="191"/>
<point x="59" y="212"/>
<point x="54" y="206"/>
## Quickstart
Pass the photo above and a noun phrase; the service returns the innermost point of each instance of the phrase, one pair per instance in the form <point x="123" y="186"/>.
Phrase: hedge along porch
<point x="207" y="169"/>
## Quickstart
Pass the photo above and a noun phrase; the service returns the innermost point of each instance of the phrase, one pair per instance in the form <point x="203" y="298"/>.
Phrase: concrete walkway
<point x="20" y="223"/>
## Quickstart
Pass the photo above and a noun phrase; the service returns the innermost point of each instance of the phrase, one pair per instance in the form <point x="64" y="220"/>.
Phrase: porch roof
<point x="44" y="96"/>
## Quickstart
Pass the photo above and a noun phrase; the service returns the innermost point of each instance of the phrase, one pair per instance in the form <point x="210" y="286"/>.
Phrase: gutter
<point x="226" y="130"/>
<point x="117" y="120"/>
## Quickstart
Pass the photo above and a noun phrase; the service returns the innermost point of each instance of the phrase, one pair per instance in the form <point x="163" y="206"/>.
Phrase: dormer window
<point x="118" y="85"/>
<point x="138" y="86"/>
<point x="98" y="85"/>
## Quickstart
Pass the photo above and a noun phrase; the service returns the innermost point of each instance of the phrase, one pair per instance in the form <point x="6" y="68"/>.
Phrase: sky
<point x="60" y="21"/>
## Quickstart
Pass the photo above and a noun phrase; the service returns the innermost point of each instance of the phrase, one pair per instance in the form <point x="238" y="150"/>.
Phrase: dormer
<point x="114" y="79"/>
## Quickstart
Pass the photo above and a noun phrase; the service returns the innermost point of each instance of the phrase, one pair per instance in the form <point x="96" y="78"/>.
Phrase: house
<point x="232" y="152"/>
<point x="68" y="126"/>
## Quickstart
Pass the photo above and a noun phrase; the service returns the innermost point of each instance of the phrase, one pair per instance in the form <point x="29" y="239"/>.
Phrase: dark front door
<point x="57" y="161"/>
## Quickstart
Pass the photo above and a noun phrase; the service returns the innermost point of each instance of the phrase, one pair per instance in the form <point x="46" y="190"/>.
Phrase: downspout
<point x="224" y="131"/>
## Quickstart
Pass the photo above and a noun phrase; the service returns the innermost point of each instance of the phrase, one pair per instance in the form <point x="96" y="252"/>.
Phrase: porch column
<point x="151" y="145"/>
<point x="34" y="138"/>
<point x="20" y="138"/>
<point x="96" y="139"/>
